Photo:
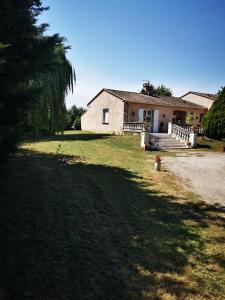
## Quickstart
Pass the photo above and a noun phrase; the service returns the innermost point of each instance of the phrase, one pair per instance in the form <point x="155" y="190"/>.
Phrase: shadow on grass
<point x="72" y="230"/>
<point x="204" y="146"/>
<point x="72" y="137"/>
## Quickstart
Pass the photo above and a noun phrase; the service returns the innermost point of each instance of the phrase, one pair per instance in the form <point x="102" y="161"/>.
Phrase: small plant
<point x="157" y="159"/>
<point x="58" y="148"/>
<point x="188" y="144"/>
<point x="190" y="118"/>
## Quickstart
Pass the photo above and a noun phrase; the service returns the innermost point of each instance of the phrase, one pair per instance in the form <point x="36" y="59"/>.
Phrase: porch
<point x="176" y="138"/>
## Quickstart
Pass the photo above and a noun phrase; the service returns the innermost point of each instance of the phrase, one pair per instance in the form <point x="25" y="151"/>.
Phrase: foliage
<point x="77" y="123"/>
<point x="73" y="117"/>
<point x="49" y="115"/>
<point x="214" y="120"/>
<point x="161" y="90"/>
<point x="29" y="70"/>
<point x="190" y="118"/>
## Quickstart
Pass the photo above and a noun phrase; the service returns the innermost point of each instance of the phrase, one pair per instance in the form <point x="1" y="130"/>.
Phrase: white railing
<point x="183" y="134"/>
<point x="186" y="127"/>
<point x="190" y="128"/>
<point x="132" y="127"/>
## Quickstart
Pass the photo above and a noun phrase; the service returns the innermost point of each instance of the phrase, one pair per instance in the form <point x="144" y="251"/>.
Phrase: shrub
<point x="77" y="123"/>
<point x="214" y="120"/>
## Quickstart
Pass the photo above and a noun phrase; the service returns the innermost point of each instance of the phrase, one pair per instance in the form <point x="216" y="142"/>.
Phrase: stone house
<point x="114" y="111"/>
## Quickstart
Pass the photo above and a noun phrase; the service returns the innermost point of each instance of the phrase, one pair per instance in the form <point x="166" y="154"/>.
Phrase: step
<point x="173" y="147"/>
<point x="169" y="142"/>
<point x="164" y="141"/>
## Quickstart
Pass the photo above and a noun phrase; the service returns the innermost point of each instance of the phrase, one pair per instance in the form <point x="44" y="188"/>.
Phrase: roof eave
<point x="170" y="105"/>
<point x="198" y="94"/>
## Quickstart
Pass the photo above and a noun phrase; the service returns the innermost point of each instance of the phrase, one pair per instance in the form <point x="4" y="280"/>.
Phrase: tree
<point x="19" y="49"/>
<point x="73" y="117"/>
<point x="151" y="90"/>
<point x="162" y="90"/>
<point x="148" y="89"/>
<point x="49" y="115"/>
<point x="214" y="120"/>
<point x="33" y="68"/>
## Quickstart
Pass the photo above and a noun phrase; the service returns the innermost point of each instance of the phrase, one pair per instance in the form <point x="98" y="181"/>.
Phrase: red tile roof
<point x="146" y="99"/>
<point x="205" y="95"/>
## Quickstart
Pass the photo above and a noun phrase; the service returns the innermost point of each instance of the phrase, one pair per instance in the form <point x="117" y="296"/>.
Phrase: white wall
<point x="198" y="100"/>
<point x="92" y="120"/>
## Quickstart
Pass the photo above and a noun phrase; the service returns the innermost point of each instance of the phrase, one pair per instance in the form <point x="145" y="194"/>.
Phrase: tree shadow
<point x="73" y="230"/>
<point x="72" y="137"/>
<point x="204" y="146"/>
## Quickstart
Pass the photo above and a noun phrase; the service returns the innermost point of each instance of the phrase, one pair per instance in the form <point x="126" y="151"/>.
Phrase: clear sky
<point x="118" y="43"/>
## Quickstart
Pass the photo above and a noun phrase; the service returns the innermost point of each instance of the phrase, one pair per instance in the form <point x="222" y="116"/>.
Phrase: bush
<point x="73" y="117"/>
<point x="214" y="120"/>
<point x="77" y="123"/>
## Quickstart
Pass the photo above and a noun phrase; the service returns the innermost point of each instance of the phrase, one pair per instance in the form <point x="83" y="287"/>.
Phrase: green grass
<point x="91" y="219"/>
<point x="205" y="143"/>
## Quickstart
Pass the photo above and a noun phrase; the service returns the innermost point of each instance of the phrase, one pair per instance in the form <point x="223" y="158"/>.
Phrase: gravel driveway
<point x="202" y="173"/>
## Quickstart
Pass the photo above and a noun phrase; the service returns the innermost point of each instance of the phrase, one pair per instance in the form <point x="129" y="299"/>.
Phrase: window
<point x="105" y="116"/>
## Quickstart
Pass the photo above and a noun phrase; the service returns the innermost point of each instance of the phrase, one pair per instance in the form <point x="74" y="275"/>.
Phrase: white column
<point x="193" y="139"/>
<point x="144" y="139"/>
<point x="170" y="127"/>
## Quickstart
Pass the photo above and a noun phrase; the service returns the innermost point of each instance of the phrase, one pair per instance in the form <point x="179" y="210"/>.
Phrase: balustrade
<point x="132" y="127"/>
<point x="183" y="133"/>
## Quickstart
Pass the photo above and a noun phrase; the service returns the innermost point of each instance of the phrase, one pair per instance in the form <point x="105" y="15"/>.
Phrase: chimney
<point x="146" y="87"/>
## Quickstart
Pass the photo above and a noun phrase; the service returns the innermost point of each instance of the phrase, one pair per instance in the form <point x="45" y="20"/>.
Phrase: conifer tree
<point x="33" y="70"/>
<point x="214" y="120"/>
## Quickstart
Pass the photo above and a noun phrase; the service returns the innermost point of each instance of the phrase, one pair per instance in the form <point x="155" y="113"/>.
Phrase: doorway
<point x="179" y="116"/>
<point x="151" y="117"/>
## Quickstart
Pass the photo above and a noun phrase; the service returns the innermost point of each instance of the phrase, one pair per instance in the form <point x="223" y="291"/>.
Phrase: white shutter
<point x="156" y="121"/>
<point x="141" y="115"/>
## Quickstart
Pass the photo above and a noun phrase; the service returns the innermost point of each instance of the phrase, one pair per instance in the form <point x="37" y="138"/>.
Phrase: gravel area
<point x="202" y="173"/>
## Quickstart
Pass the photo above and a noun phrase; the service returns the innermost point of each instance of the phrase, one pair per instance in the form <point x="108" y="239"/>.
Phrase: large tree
<point x="151" y="90"/>
<point x="29" y="65"/>
<point x="49" y="114"/>
<point x="214" y="120"/>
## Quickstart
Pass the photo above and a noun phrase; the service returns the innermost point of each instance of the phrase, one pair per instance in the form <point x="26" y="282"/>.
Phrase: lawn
<point x="205" y="143"/>
<point x="85" y="216"/>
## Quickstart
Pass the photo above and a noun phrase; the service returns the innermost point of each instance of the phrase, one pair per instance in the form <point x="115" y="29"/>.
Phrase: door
<point x="145" y="116"/>
<point x="155" y="122"/>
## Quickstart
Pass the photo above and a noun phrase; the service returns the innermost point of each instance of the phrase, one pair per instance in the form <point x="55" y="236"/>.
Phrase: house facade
<point x="114" y="111"/>
<point x="202" y="99"/>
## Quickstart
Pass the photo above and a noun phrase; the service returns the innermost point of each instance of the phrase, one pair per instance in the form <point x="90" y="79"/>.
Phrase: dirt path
<point x="201" y="172"/>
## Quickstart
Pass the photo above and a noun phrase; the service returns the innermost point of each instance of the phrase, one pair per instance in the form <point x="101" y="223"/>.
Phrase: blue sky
<point x="118" y="43"/>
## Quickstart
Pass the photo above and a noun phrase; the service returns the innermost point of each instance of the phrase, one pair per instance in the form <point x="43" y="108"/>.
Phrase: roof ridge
<point x="126" y="92"/>
<point x="205" y="95"/>
<point x="138" y="93"/>
<point x="136" y="97"/>
<point x="202" y="93"/>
